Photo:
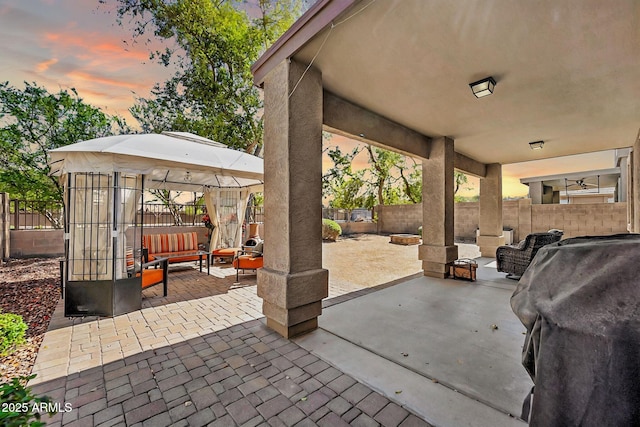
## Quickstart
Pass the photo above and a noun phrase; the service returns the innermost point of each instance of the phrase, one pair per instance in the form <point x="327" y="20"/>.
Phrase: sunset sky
<point x="60" y="44"/>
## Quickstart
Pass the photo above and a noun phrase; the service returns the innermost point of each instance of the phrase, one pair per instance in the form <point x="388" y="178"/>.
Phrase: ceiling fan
<point x="581" y="184"/>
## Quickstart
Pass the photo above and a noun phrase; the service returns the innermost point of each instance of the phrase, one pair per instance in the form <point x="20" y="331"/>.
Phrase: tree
<point x="460" y="179"/>
<point x="212" y="92"/>
<point x="389" y="179"/>
<point x="342" y="184"/>
<point x="35" y="121"/>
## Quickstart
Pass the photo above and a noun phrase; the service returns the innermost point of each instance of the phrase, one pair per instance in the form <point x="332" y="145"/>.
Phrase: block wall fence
<point x="520" y="215"/>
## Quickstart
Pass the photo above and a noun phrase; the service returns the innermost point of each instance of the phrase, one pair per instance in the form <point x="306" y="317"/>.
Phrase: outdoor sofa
<point x="176" y="247"/>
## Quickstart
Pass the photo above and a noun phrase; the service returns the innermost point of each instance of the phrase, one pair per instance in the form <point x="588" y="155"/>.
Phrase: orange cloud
<point x="93" y="45"/>
<point x="44" y="65"/>
<point x="87" y="77"/>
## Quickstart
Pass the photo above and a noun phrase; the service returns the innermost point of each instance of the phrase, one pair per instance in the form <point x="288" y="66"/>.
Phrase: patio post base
<point x="295" y="330"/>
<point x="292" y="302"/>
<point x="436" y="260"/>
<point x="489" y="244"/>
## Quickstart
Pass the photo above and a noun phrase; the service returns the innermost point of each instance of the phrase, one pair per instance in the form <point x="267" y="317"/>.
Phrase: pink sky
<point x="60" y="44"/>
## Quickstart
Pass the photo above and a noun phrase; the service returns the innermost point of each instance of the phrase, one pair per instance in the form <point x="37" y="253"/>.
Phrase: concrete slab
<point x="437" y="404"/>
<point x="442" y="329"/>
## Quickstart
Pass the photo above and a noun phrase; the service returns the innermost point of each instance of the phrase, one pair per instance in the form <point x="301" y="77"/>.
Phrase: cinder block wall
<point x="520" y="215"/>
<point x="50" y="243"/>
<point x="36" y="243"/>
<point x="399" y="218"/>
<point x="580" y="220"/>
<point x="360" y="227"/>
<point x="465" y="220"/>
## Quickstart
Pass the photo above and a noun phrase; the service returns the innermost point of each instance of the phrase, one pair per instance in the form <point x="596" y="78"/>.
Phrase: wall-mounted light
<point x="536" y="145"/>
<point x="187" y="177"/>
<point x="483" y="87"/>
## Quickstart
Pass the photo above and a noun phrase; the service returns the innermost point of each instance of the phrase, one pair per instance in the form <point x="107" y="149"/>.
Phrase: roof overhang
<point x="566" y="72"/>
<point x="604" y="177"/>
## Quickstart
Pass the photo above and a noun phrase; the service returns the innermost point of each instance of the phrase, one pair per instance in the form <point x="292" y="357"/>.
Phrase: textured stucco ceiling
<point x="567" y="72"/>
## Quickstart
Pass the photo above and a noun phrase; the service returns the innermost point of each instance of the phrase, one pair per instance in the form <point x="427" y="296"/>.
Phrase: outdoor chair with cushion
<point x="150" y="276"/>
<point x="223" y="253"/>
<point x="249" y="258"/>
<point x="514" y="260"/>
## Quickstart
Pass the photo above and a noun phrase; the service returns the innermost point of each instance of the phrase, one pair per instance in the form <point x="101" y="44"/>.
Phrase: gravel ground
<point x="30" y="288"/>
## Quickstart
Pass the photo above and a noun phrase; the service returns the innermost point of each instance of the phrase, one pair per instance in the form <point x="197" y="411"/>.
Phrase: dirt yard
<point x="368" y="260"/>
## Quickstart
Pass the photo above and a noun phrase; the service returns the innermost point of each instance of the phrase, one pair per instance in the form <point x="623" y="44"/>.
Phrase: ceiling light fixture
<point x="483" y="87"/>
<point x="536" y="145"/>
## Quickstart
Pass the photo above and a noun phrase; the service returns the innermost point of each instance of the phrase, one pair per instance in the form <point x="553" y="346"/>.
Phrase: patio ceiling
<point x="567" y="72"/>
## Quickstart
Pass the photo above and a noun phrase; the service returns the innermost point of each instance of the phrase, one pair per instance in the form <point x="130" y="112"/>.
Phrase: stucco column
<point x="438" y="250"/>
<point x="491" y="211"/>
<point x="524" y="219"/>
<point x="635" y="187"/>
<point x="630" y="196"/>
<point x="536" y="191"/>
<point x="292" y="283"/>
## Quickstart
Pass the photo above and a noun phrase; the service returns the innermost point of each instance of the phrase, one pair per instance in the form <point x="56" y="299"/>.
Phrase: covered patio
<point x="447" y="350"/>
<point x="560" y="79"/>
<point x="397" y="74"/>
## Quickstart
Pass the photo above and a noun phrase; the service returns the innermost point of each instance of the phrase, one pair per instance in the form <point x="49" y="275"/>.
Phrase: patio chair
<point x="514" y="260"/>
<point x="248" y="258"/>
<point x="150" y="276"/>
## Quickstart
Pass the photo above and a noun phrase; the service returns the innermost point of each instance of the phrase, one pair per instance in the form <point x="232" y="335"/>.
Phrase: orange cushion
<point x="225" y="252"/>
<point x="152" y="277"/>
<point x="248" y="262"/>
<point x="173" y="242"/>
<point x="177" y="256"/>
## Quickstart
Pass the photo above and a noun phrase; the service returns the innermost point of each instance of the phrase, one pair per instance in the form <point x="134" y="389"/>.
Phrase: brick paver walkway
<point x="200" y="356"/>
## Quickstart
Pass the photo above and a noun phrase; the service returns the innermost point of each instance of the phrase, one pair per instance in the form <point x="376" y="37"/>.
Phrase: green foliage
<point x="35" y="121"/>
<point x="212" y="92"/>
<point x="23" y="403"/>
<point x="345" y="187"/>
<point x="330" y="230"/>
<point x="257" y="199"/>
<point x="168" y="199"/>
<point x="460" y="180"/>
<point x="420" y="231"/>
<point x="391" y="179"/>
<point x="12" y="331"/>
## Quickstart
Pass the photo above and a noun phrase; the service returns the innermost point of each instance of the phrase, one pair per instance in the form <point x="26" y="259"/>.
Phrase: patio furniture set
<point x="160" y="250"/>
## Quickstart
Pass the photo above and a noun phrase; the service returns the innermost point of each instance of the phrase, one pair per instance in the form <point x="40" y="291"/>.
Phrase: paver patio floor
<point x="201" y="356"/>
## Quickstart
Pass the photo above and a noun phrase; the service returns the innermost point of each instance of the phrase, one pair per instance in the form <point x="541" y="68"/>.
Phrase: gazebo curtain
<point x="90" y="216"/>
<point x="91" y="224"/>
<point x="226" y="208"/>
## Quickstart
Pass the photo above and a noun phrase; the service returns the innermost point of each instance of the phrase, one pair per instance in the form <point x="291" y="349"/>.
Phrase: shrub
<point x="21" y="405"/>
<point x="330" y="230"/>
<point x="12" y="330"/>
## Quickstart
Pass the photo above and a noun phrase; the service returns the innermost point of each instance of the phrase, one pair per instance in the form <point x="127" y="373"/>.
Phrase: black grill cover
<point x="580" y="302"/>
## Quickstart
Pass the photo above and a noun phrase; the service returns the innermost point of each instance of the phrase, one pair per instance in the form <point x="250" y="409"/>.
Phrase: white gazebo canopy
<point x="174" y="161"/>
